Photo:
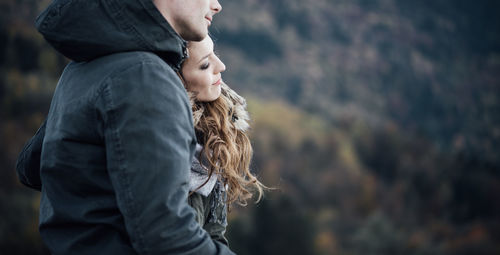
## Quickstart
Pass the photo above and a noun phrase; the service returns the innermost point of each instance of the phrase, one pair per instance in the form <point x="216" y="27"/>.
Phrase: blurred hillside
<point x="377" y="121"/>
<point x="429" y="67"/>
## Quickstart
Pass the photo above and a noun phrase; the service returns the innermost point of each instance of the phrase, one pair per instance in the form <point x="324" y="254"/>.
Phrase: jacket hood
<point x="85" y="30"/>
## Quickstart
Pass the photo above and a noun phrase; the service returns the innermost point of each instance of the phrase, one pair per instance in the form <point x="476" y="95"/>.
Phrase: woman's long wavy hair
<point x="222" y="125"/>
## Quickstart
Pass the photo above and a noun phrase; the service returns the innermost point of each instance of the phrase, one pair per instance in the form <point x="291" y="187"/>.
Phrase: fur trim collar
<point x="237" y="105"/>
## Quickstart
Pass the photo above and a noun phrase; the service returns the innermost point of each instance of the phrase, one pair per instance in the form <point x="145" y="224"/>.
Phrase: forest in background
<point x="377" y="121"/>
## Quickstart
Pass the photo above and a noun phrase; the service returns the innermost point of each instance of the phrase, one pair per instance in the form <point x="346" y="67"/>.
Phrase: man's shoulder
<point x="135" y="67"/>
<point x="125" y="60"/>
<point x="140" y="76"/>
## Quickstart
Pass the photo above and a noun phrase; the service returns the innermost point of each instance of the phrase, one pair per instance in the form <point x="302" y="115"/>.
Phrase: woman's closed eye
<point x="205" y="65"/>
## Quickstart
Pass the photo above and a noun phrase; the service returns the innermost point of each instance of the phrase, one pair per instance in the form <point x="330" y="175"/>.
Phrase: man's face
<point x="189" y="18"/>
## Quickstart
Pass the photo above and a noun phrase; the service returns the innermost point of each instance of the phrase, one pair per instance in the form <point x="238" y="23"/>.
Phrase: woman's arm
<point x="215" y="226"/>
<point x="216" y="214"/>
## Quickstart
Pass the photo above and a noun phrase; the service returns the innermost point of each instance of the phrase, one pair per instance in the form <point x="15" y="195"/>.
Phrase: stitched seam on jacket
<point x="143" y="59"/>
<point x="118" y="149"/>
<point x="115" y="136"/>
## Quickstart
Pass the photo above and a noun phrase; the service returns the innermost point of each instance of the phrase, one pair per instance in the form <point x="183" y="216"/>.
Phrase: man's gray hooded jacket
<point x="119" y="135"/>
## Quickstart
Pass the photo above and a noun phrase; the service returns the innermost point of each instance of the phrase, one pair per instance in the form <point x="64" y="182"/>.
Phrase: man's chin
<point x="195" y="36"/>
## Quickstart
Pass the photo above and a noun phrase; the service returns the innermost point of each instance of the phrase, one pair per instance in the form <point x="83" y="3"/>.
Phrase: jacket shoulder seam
<point x="115" y="73"/>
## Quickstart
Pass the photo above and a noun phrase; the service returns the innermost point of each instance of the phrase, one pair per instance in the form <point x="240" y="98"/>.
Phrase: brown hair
<point x="223" y="125"/>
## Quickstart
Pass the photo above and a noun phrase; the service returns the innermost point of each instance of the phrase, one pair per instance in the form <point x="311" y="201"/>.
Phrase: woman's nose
<point x="220" y="66"/>
<point x="216" y="6"/>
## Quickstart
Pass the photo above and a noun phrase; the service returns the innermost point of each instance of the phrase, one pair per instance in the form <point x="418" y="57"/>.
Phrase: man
<point x="119" y="136"/>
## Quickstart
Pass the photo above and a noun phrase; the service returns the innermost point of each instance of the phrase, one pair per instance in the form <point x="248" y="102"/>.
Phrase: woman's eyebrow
<point x="204" y="57"/>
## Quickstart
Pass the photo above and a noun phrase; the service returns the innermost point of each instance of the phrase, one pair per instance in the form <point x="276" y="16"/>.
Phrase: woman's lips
<point x="218" y="82"/>
<point x="209" y="19"/>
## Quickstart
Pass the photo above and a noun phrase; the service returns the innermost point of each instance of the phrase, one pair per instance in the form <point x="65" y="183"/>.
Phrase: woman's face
<point x="202" y="70"/>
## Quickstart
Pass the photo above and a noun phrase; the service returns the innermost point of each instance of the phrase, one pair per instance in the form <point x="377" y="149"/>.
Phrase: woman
<point x="220" y="172"/>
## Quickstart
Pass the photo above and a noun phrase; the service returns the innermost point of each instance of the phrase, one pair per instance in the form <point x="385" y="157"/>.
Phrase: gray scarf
<point x="199" y="175"/>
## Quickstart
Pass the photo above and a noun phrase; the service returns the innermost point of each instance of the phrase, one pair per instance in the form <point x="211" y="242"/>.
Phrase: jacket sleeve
<point x="216" y="213"/>
<point x="149" y="139"/>
<point x="28" y="161"/>
<point x="216" y="222"/>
